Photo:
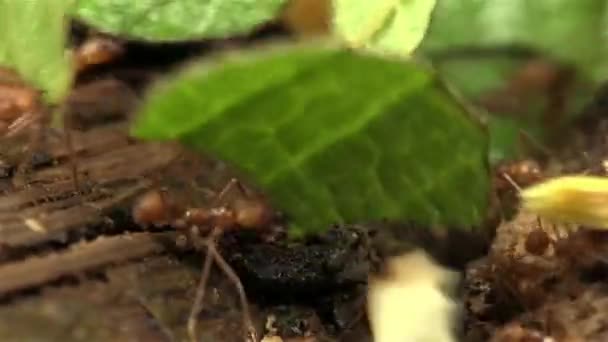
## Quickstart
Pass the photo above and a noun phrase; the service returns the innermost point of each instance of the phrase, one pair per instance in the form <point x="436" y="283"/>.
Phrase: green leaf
<point x="177" y="20"/>
<point x="391" y="26"/>
<point x="573" y="31"/>
<point x="33" y="37"/>
<point x="333" y="136"/>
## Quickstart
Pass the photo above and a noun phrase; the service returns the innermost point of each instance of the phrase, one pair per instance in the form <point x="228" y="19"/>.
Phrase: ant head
<point x="520" y="173"/>
<point x="252" y="213"/>
<point x="528" y="169"/>
<point x="515" y="175"/>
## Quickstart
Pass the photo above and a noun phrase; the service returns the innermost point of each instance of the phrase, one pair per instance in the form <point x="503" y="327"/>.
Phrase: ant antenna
<point x="510" y="180"/>
<point x="535" y="143"/>
<point x="232" y="184"/>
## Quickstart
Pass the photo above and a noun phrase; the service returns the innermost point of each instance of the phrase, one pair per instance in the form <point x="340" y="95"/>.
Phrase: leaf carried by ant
<point x="392" y="26"/>
<point x="332" y="135"/>
<point x="33" y="42"/>
<point x="177" y="20"/>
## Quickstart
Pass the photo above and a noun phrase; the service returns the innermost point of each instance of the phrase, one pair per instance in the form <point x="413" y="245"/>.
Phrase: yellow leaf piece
<point x="394" y="27"/>
<point x="570" y="199"/>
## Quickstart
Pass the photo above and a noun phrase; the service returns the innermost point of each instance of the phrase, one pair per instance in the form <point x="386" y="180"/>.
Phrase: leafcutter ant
<point x="20" y="105"/>
<point x="203" y="227"/>
<point x="23" y="112"/>
<point x="508" y="178"/>
<point x="523" y="173"/>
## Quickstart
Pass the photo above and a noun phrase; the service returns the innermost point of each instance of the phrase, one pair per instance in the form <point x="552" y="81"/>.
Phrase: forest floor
<point x="75" y="267"/>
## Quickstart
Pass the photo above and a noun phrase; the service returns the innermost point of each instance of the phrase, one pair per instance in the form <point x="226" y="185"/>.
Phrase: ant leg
<point x="36" y="131"/>
<point x="551" y="233"/>
<point x="200" y="296"/>
<point x="232" y="184"/>
<point x="67" y="135"/>
<point x="236" y="281"/>
<point x="227" y="188"/>
<point x="241" y="188"/>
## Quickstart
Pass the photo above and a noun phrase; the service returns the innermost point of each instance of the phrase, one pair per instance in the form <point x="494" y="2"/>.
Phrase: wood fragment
<point x="86" y="256"/>
<point x="34" y="225"/>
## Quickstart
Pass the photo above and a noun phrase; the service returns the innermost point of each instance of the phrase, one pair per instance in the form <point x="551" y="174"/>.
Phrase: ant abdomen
<point x="152" y="208"/>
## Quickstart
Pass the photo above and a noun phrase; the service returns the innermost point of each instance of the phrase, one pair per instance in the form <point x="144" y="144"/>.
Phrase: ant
<point x="203" y="227"/>
<point x="22" y="107"/>
<point x="507" y="180"/>
<point x="521" y="172"/>
<point x="22" y="110"/>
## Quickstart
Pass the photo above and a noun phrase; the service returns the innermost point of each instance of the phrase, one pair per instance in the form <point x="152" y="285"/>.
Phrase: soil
<point x="75" y="267"/>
